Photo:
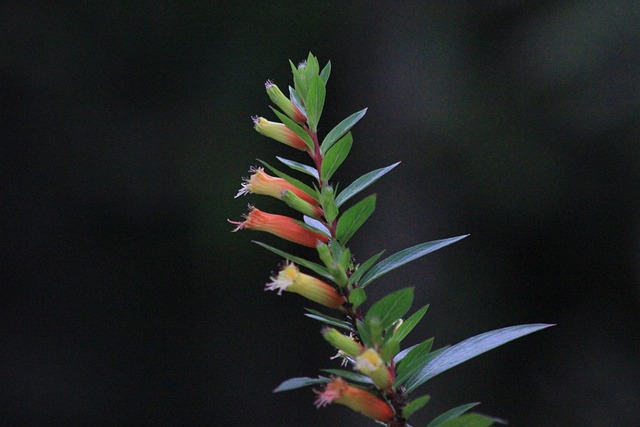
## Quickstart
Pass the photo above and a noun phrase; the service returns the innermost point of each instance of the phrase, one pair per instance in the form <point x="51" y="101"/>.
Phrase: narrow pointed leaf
<point x="354" y="218"/>
<point x="340" y="129"/>
<point x="361" y="183"/>
<point x="316" y="268"/>
<point x="293" y="96"/>
<point x="349" y="375"/>
<point x="414" y="405"/>
<point x="335" y="156"/>
<point x="473" y="420"/>
<point x="357" y="297"/>
<point x="317" y="225"/>
<point x="451" y="414"/>
<point x="316" y="315"/>
<point x="365" y="334"/>
<point x="295" y="128"/>
<point x="404" y="256"/>
<point x="411" y="322"/>
<point x="300" y="167"/>
<point x="415" y="360"/>
<point x="468" y="349"/>
<point x="364" y="267"/>
<point x="326" y="72"/>
<point x="391" y="307"/>
<point x="294" y="383"/>
<point x="314" y="102"/>
<point x="299" y="184"/>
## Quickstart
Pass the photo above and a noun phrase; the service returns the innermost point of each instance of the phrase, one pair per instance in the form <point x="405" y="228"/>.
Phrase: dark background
<point x="125" y="133"/>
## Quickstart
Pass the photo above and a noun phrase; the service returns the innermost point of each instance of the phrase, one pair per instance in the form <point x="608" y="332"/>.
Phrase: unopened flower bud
<point x="284" y="103"/>
<point x="296" y="202"/>
<point x="345" y="344"/>
<point x="279" y="132"/>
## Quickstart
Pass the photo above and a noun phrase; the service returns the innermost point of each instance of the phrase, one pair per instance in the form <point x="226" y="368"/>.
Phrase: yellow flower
<point x="371" y="364"/>
<point x="290" y="279"/>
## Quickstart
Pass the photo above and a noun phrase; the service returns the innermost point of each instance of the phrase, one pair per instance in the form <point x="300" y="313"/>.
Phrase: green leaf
<point x="316" y="268"/>
<point x="411" y="322"/>
<point x="299" y="81"/>
<point x="354" y="218"/>
<point x="300" y="167"/>
<point x="335" y="156"/>
<point x="390" y="308"/>
<point x="293" y="96"/>
<point x="414" y="405"/>
<point x="357" y="297"/>
<point x="316" y="225"/>
<point x="299" y="184"/>
<point x="389" y="348"/>
<point x="295" y="128"/>
<point x="313" y="67"/>
<point x="451" y="414"/>
<point x="472" y="420"/>
<point x="340" y="129"/>
<point x="326" y="72"/>
<point x="315" y="314"/>
<point x="294" y="383"/>
<point x="468" y="349"/>
<point x="414" y="361"/>
<point x="328" y="204"/>
<point x="361" y="183"/>
<point x="314" y="102"/>
<point x="365" y="333"/>
<point x="364" y="267"/>
<point x="349" y="375"/>
<point x="404" y="256"/>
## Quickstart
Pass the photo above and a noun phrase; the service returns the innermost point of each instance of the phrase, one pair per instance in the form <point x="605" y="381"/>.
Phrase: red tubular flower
<point x="279" y="132"/>
<point x="261" y="182"/>
<point x="338" y="391"/>
<point x="281" y="226"/>
<point x="291" y="280"/>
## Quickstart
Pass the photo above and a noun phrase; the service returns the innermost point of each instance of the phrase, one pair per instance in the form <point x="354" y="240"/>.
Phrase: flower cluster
<point x="381" y="377"/>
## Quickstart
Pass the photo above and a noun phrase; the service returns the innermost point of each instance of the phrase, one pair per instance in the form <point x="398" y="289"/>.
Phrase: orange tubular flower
<point x="279" y="132"/>
<point x="338" y="391"/>
<point x="262" y="183"/>
<point x="281" y="226"/>
<point x="291" y="280"/>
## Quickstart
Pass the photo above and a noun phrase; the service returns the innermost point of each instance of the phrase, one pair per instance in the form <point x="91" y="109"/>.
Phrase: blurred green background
<point x="125" y="133"/>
